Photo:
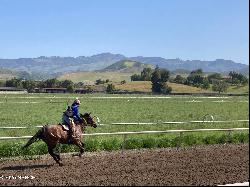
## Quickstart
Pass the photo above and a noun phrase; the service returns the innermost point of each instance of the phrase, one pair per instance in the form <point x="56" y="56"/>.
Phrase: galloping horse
<point x="54" y="134"/>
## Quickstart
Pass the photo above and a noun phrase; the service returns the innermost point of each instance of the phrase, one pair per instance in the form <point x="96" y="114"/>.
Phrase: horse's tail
<point x="37" y="136"/>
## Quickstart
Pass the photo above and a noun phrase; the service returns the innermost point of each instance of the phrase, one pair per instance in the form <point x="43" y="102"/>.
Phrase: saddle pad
<point x="65" y="127"/>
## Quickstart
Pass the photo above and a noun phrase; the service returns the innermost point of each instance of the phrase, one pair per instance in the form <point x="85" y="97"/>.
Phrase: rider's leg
<point x="67" y="122"/>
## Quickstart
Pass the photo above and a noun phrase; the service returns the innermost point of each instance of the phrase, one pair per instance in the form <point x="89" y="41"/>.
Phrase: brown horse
<point x="54" y="134"/>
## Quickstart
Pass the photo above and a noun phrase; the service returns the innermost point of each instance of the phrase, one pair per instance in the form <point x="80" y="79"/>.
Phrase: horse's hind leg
<point x="54" y="155"/>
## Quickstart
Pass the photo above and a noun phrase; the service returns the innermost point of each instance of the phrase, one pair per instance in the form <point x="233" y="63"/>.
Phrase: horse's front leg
<point x="83" y="148"/>
<point x="80" y="144"/>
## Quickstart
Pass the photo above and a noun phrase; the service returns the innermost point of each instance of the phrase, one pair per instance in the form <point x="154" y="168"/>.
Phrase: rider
<point x="72" y="112"/>
<point x="74" y="107"/>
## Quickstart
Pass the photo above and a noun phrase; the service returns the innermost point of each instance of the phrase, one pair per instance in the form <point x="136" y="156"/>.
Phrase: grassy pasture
<point x="116" y="77"/>
<point x="92" y="76"/>
<point x="145" y="86"/>
<point x="30" y="110"/>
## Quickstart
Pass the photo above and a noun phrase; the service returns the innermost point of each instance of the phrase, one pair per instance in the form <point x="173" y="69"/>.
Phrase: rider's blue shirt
<point x="76" y="114"/>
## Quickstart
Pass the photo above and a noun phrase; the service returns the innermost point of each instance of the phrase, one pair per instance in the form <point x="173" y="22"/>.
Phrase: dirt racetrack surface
<point x="196" y="166"/>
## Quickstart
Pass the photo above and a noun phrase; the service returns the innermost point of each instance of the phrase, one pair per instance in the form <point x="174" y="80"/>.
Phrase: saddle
<point x="64" y="127"/>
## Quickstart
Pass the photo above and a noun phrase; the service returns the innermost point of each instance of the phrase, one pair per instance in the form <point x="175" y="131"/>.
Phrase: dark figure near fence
<point x="55" y="134"/>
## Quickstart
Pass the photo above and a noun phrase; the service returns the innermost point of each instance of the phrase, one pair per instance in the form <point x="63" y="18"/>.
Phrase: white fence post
<point x="124" y="142"/>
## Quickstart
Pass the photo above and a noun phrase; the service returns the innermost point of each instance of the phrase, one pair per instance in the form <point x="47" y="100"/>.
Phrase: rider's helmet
<point x="77" y="101"/>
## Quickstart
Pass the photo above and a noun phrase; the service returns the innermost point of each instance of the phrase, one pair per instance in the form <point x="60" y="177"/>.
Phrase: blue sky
<point x="185" y="29"/>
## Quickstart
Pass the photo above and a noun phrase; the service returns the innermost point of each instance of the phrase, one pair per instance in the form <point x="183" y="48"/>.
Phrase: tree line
<point x="30" y="85"/>
<point x="159" y="78"/>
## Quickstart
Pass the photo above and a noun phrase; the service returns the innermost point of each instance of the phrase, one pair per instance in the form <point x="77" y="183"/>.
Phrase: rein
<point x="86" y="123"/>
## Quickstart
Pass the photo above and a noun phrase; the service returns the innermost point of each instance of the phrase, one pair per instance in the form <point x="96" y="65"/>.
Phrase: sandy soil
<point x="201" y="165"/>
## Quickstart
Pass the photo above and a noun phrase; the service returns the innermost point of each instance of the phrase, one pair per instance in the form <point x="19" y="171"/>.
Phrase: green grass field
<point x="39" y="109"/>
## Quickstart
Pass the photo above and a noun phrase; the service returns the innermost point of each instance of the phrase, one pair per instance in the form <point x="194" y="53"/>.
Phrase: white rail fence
<point x="181" y="131"/>
<point x="152" y="123"/>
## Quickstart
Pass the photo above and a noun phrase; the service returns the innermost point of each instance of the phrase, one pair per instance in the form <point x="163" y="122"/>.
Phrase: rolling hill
<point x="117" y="72"/>
<point x="90" y="77"/>
<point x="7" y="74"/>
<point x="55" y="65"/>
<point x="127" y="66"/>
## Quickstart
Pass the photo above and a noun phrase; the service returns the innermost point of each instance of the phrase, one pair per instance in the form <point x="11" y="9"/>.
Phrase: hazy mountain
<point x="55" y="65"/>
<point x="218" y="65"/>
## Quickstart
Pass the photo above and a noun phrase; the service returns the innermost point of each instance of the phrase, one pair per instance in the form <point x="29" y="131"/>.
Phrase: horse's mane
<point x="84" y="115"/>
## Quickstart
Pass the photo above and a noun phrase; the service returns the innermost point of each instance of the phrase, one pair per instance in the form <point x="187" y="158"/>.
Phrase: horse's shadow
<point x="26" y="167"/>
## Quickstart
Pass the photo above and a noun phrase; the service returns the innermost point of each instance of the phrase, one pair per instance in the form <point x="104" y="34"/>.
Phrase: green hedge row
<point x="11" y="149"/>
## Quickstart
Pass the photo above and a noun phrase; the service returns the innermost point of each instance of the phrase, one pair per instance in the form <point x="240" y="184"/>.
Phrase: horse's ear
<point x="89" y="113"/>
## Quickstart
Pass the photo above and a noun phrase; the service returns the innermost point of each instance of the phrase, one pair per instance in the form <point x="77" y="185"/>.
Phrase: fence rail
<point x="152" y="123"/>
<point x="142" y="132"/>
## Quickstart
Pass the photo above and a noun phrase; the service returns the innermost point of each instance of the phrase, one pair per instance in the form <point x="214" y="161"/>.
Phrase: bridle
<point x="93" y="119"/>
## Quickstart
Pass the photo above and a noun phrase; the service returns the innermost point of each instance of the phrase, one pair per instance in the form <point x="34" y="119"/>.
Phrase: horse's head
<point x="88" y="120"/>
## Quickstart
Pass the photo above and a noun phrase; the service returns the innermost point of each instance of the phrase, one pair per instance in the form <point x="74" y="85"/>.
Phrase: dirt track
<point x="209" y="165"/>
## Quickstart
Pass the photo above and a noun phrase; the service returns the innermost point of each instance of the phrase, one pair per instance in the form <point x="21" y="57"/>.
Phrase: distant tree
<point x="41" y="84"/>
<point x="79" y="85"/>
<point x="66" y="84"/>
<point x="238" y="78"/>
<point x="14" y="82"/>
<point x="70" y="88"/>
<point x="159" y="80"/>
<point x="51" y="83"/>
<point x="30" y="85"/>
<point x="219" y="86"/>
<point x="156" y="80"/>
<point x="195" y="78"/>
<point x="165" y="89"/>
<point x="179" y="79"/>
<point x="135" y="77"/>
<point x="110" y="88"/>
<point x="146" y="74"/>
<point x="165" y="74"/>
<point x="232" y="75"/>
<point x="243" y="80"/>
<point x="197" y="71"/>
<point x="214" y="76"/>
<point x="205" y="85"/>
